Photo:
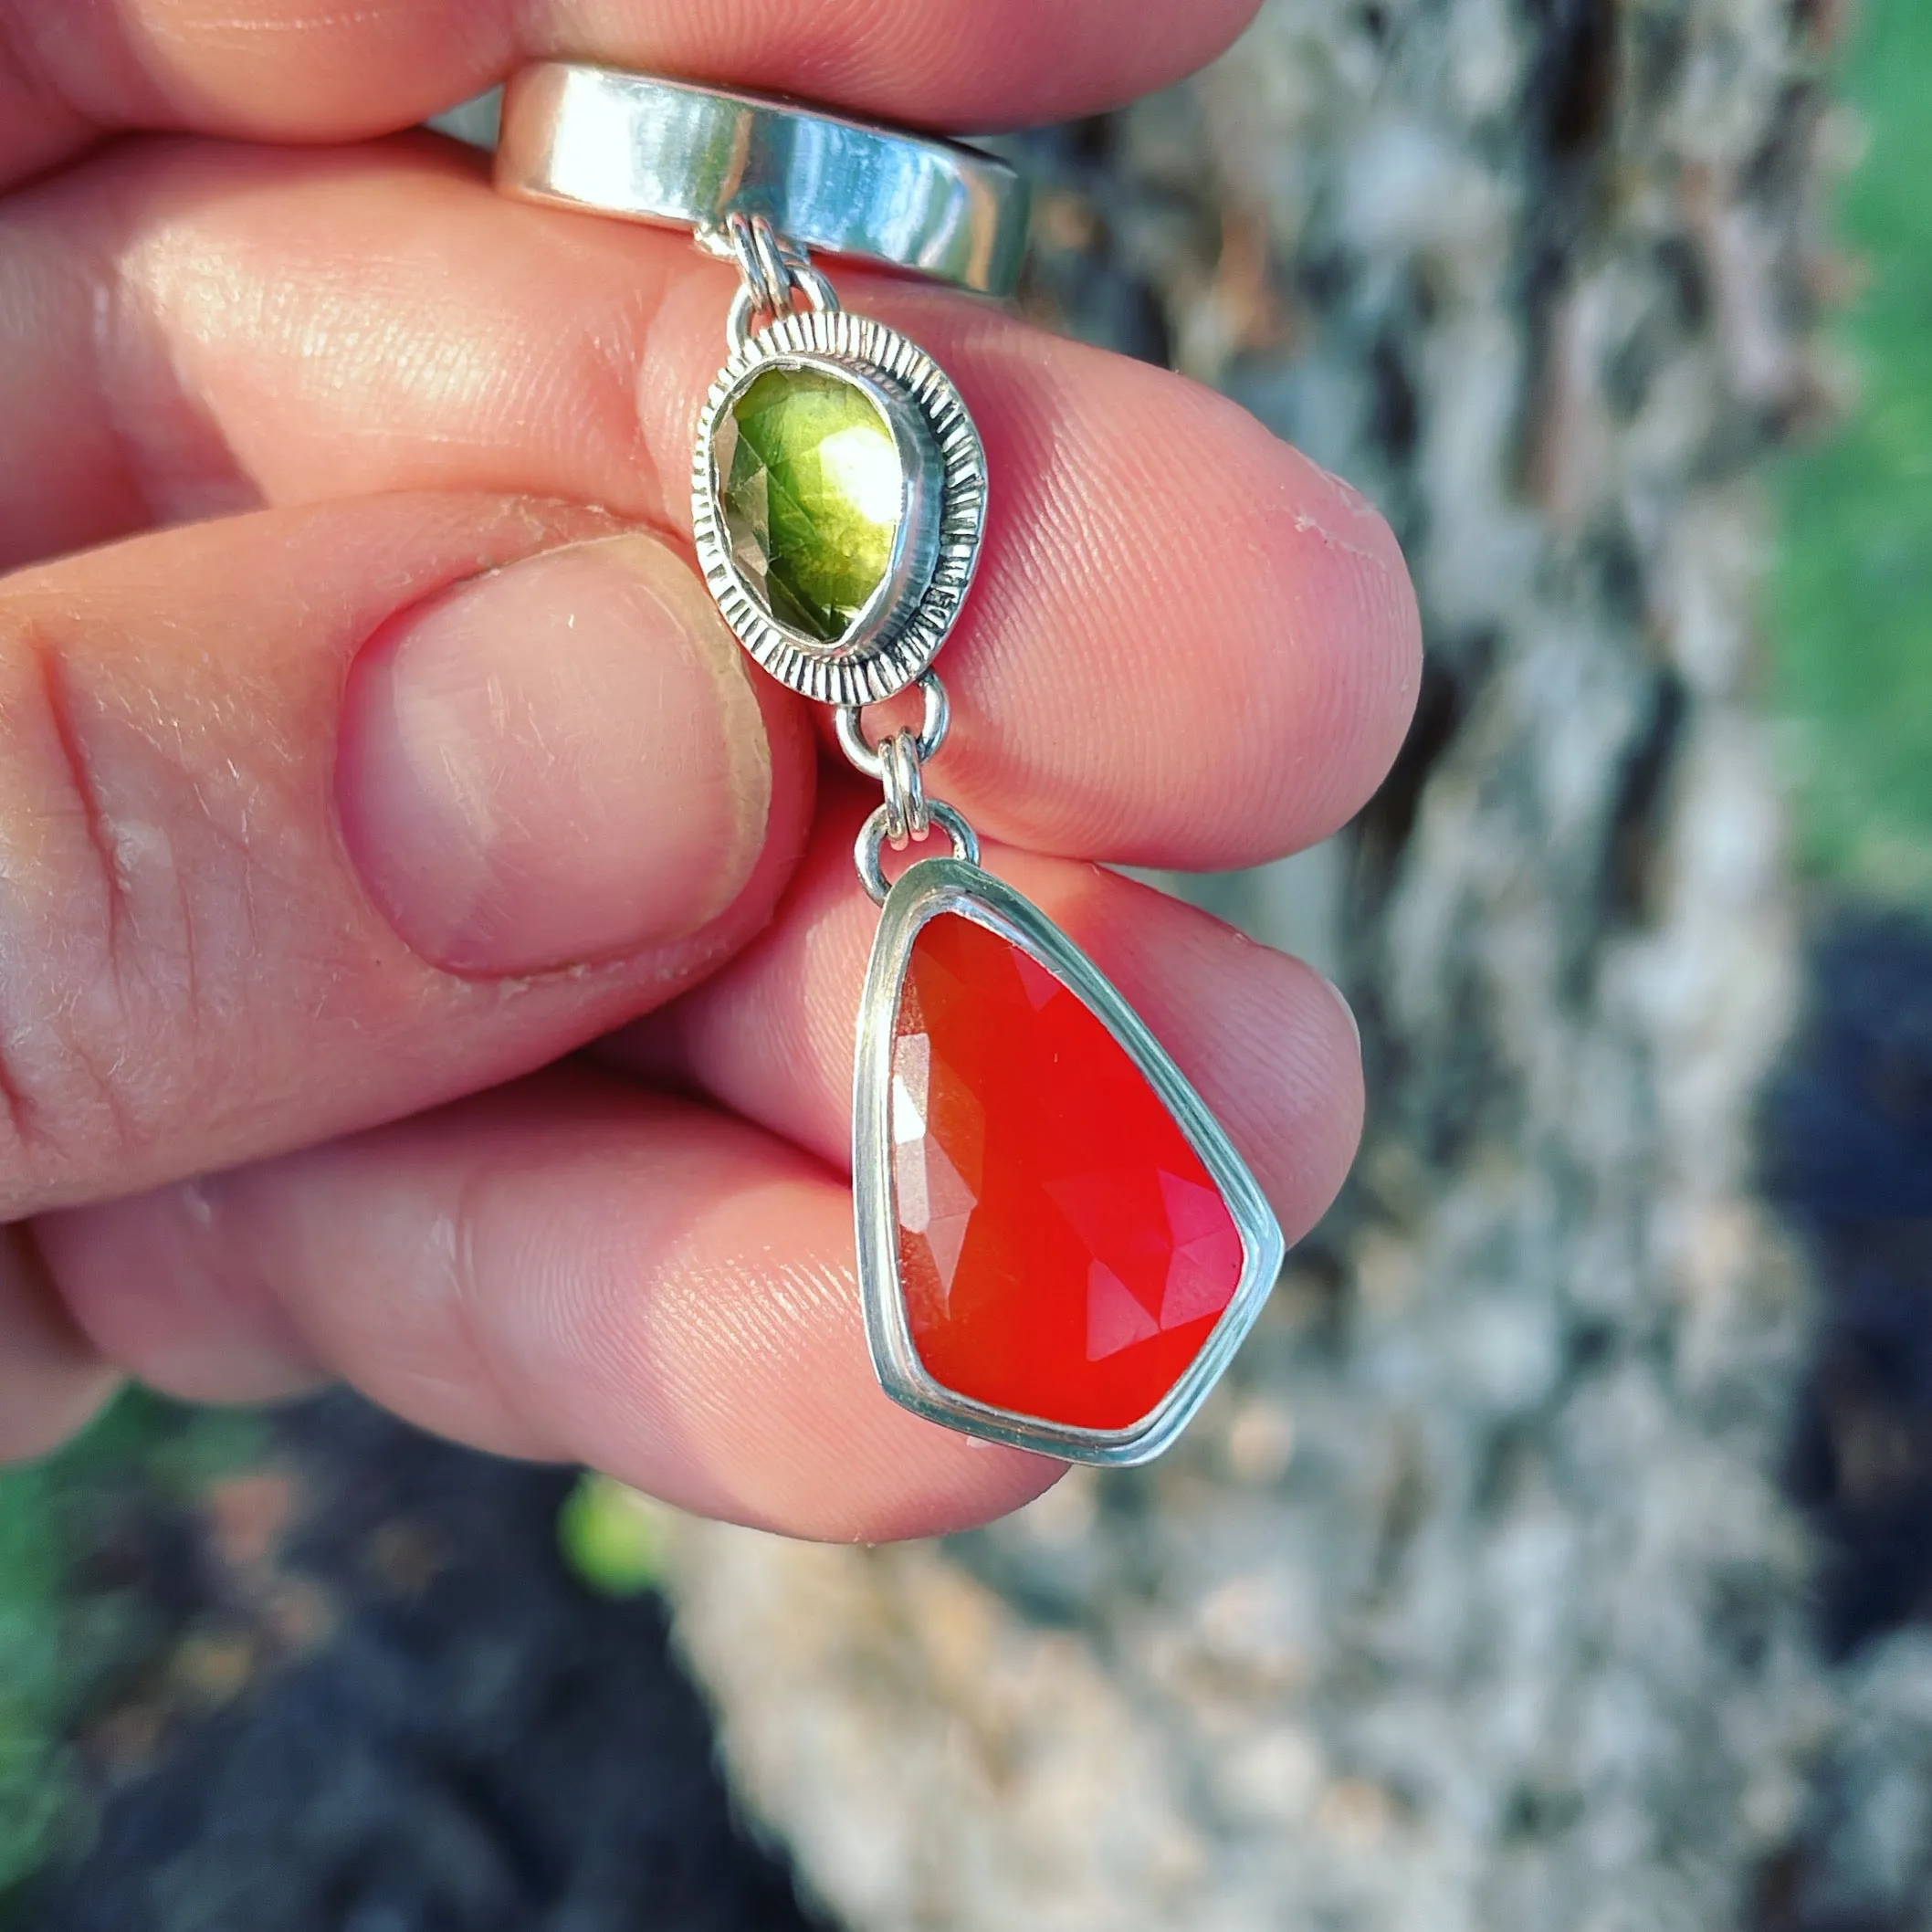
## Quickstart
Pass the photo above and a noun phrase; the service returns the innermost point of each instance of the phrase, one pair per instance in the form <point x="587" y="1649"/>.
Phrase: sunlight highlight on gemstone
<point x="813" y="493"/>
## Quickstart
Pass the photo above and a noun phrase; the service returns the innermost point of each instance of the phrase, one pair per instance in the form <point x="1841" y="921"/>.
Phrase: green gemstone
<point x="812" y="491"/>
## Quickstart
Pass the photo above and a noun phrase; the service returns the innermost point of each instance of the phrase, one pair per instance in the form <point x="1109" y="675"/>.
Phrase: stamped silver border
<point x="939" y="886"/>
<point x="900" y="631"/>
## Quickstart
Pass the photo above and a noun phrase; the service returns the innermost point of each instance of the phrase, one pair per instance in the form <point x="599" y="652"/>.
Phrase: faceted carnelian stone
<point x="1065" y="1253"/>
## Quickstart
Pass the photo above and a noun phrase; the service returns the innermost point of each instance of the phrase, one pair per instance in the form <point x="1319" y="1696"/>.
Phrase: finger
<point x="1269" y="1042"/>
<point x="1187" y="646"/>
<point x="573" y="1268"/>
<point x="582" y="1281"/>
<point x="52" y="1379"/>
<point x="292" y="70"/>
<point x="315" y="817"/>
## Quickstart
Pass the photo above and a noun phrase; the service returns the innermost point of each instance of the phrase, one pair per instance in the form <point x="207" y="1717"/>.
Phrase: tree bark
<point x="1472" y="1600"/>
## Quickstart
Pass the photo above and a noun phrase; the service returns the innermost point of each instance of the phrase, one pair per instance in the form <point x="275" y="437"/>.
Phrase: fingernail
<point x="1348" y="1012"/>
<point x="561" y="762"/>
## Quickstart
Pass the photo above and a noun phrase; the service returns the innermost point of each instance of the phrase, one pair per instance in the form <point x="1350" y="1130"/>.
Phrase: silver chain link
<point x="870" y="851"/>
<point x="774" y="273"/>
<point x="908" y="816"/>
<point x="935" y="722"/>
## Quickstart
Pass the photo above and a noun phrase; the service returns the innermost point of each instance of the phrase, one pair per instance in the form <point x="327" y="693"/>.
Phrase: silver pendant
<point x="1058" y="1247"/>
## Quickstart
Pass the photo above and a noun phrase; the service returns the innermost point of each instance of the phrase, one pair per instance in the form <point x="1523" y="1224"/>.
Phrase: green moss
<point x="1851" y="593"/>
<point x="34" y="1673"/>
<point x="612" y="1537"/>
<point x="64" y="1642"/>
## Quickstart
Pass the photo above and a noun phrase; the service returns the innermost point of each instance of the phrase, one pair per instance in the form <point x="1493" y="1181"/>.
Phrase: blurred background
<point x="1561" y="1554"/>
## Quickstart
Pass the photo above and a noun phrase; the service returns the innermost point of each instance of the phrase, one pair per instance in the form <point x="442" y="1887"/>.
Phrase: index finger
<point x="310" y="70"/>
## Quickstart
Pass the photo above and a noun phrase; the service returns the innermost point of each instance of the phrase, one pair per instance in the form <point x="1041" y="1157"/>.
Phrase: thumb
<point x="314" y="818"/>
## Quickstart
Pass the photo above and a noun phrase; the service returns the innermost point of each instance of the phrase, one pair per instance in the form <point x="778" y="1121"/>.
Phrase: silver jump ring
<point x="934" y="724"/>
<point x="748" y="243"/>
<point x="764" y="260"/>
<point x="775" y="265"/>
<point x="770" y="272"/>
<point x="869" y="851"/>
<point x="907" y="815"/>
<point x="746" y="305"/>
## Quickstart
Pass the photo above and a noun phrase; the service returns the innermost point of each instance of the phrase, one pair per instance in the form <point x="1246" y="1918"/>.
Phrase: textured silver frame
<point x="943" y="522"/>
<point x="929" y="889"/>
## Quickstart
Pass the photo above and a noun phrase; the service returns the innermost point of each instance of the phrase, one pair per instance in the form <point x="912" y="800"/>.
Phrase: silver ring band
<point x="935" y="726"/>
<point x="669" y="152"/>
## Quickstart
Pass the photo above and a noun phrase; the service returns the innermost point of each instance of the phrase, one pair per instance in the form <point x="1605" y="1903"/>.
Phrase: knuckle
<point x="97" y="931"/>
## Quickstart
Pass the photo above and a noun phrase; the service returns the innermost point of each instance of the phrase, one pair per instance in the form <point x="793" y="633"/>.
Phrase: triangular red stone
<point x="1065" y="1255"/>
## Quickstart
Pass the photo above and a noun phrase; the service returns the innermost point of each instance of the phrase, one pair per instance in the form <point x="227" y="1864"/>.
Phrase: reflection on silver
<point x="939" y="886"/>
<point x="671" y="152"/>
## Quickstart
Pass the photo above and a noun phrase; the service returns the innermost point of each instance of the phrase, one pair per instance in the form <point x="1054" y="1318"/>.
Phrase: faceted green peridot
<point x="813" y="492"/>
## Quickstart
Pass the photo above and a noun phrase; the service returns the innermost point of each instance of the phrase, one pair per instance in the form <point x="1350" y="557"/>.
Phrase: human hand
<point x="411" y="848"/>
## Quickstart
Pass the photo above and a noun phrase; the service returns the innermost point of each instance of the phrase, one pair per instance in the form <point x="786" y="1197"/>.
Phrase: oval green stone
<point x="812" y="490"/>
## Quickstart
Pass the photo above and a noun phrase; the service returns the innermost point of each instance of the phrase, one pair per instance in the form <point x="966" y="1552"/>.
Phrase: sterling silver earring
<point x="1059" y="1246"/>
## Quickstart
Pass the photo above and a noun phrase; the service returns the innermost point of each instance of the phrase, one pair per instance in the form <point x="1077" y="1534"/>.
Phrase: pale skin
<point x="404" y="844"/>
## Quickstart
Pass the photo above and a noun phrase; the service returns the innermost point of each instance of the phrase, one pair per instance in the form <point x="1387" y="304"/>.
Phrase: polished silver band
<point x="670" y="152"/>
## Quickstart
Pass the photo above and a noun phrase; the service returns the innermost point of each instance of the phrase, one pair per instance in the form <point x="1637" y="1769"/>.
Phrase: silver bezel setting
<point x="930" y="888"/>
<point x="941" y="525"/>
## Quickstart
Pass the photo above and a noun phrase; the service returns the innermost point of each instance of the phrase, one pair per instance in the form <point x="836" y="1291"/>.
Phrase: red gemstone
<point x="1064" y="1252"/>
